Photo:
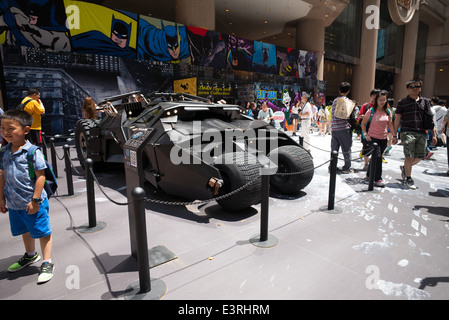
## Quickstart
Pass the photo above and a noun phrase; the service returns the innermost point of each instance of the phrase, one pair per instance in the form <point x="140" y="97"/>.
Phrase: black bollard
<point x="264" y="240"/>
<point x="264" y="206"/>
<point x="68" y="170"/>
<point x="90" y="194"/>
<point x="372" y="167"/>
<point x="145" y="288"/>
<point x="54" y="163"/>
<point x="93" y="225"/>
<point x="301" y="141"/>
<point x="138" y="195"/>
<point x="332" y="180"/>
<point x="44" y="146"/>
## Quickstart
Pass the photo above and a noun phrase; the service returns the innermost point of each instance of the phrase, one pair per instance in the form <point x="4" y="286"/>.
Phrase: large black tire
<point x="291" y="159"/>
<point x="236" y="172"/>
<point x="87" y="142"/>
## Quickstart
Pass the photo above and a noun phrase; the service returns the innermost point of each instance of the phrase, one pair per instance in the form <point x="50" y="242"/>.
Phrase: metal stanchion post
<point x="145" y="288"/>
<point x="68" y="170"/>
<point x="93" y="225"/>
<point x="264" y="207"/>
<point x="372" y="168"/>
<point x="264" y="240"/>
<point x="332" y="183"/>
<point x="54" y="163"/>
<point x="44" y="146"/>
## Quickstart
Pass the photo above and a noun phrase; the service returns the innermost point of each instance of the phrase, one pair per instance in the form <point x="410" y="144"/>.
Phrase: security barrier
<point x="144" y="289"/>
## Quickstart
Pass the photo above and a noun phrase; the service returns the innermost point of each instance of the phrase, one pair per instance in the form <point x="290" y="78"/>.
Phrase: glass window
<point x="390" y="39"/>
<point x="343" y="35"/>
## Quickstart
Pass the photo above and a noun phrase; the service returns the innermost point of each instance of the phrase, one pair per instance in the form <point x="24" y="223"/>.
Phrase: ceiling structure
<point x="272" y="21"/>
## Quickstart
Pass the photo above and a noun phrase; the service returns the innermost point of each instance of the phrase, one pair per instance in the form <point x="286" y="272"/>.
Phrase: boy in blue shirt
<point x="26" y="197"/>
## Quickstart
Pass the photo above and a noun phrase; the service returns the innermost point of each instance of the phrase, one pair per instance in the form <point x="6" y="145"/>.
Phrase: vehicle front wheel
<point x="295" y="169"/>
<point x="236" y="173"/>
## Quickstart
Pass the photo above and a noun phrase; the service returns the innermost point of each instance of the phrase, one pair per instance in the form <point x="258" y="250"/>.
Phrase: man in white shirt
<point x="306" y="116"/>
<point x="265" y="113"/>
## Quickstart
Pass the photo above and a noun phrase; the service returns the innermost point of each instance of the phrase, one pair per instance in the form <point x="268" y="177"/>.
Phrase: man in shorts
<point x="409" y="114"/>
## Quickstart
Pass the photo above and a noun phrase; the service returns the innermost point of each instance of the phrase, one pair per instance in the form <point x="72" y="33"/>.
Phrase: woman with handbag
<point x="375" y="125"/>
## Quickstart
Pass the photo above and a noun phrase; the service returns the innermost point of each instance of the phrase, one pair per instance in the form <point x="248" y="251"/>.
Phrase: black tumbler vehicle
<point x="198" y="150"/>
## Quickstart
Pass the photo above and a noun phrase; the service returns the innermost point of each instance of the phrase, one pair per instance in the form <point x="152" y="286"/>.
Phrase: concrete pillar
<point x="429" y="79"/>
<point x="434" y="42"/>
<point x="310" y="37"/>
<point x="408" y="58"/>
<point x="365" y="72"/>
<point x="196" y="13"/>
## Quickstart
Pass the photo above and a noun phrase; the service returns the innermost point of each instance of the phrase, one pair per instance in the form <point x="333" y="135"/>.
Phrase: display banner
<point x="77" y="26"/>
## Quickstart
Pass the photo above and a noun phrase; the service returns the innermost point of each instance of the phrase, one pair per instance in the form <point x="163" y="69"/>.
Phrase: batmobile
<point x="198" y="150"/>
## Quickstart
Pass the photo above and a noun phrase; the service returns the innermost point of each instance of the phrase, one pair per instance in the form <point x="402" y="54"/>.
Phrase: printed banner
<point x="81" y="27"/>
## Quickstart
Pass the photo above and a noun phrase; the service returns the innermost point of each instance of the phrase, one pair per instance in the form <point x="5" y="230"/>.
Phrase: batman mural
<point x="116" y="43"/>
<point x="167" y="44"/>
<point x="34" y="23"/>
<point x="207" y="48"/>
<point x="240" y="53"/>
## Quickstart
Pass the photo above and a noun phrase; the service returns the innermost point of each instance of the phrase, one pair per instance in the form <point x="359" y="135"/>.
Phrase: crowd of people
<point x="379" y="121"/>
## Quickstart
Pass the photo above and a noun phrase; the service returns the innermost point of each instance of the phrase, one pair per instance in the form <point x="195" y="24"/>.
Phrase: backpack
<point x="344" y="108"/>
<point x="22" y="105"/>
<point x="51" y="184"/>
<point x="372" y="112"/>
<point x="427" y="117"/>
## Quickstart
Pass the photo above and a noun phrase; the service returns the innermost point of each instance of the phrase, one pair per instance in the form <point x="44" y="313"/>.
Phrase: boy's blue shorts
<point x="38" y="224"/>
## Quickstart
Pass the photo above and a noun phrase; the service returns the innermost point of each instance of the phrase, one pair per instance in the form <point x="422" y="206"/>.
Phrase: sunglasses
<point x="413" y="86"/>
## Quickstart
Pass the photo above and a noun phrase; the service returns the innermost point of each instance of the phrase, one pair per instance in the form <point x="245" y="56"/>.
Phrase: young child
<point x="26" y="197"/>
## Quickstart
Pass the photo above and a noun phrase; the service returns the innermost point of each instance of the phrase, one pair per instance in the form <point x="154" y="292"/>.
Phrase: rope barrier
<point x="370" y="150"/>
<point x="198" y="202"/>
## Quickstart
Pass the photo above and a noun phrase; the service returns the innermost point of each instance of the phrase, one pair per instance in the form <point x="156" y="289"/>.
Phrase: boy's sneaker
<point x="430" y="154"/>
<point x="410" y="183"/>
<point x="46" y="272"/>
<point x="23" y="262"/>
<point x="387" y="150"/>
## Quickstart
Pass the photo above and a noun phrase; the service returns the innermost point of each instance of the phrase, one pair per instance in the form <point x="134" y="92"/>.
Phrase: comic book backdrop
<point x="76" y="26"/>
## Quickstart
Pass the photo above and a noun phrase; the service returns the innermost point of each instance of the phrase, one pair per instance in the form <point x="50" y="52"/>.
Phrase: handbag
<point x="427" y="117"/>
<point x="344" y="108"/>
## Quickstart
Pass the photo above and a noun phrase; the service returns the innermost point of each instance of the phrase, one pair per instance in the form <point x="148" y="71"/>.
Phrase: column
<point x="310" y="37"/>
<point x="365" y="72"/>
<point x="434" y="42"/>
<point x="196" y="13"/>
<point x="407" y="72"/>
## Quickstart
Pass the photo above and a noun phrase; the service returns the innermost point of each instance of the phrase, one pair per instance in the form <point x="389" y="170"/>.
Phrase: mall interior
<point x="370" y="44"/>
<point x="349" y="47"/>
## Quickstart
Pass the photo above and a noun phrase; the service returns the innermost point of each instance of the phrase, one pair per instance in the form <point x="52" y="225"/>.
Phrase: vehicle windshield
<point x="146" y="117"/>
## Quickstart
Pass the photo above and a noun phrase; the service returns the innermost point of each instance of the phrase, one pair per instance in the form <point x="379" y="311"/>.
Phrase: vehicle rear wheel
<point x="236" y="172"/>
<point x="85" y="145"/>
<point x="291" y="159"/>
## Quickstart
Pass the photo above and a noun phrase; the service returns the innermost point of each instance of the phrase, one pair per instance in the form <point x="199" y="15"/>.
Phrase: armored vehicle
<point x="197" y="150"/>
